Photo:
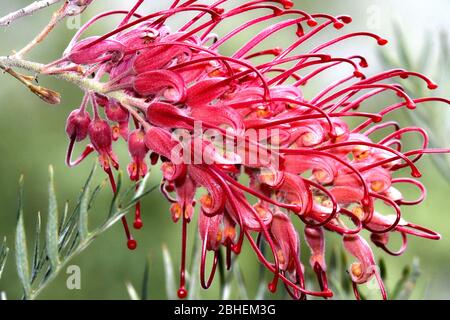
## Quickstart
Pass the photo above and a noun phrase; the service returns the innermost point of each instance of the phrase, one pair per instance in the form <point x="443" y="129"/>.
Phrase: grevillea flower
<point x="212" y="119"/>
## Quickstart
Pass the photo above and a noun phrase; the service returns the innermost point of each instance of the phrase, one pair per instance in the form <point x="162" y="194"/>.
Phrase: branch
<point x="27" y="11"/>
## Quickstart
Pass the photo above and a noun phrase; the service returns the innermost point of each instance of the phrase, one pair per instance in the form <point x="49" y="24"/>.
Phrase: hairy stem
<point x="79" y="248"/>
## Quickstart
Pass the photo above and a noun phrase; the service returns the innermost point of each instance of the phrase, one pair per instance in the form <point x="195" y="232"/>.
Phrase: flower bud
<point x="316" y="242"/>
<point x="136" y="144"/>
<point x="80" y="2"/>
<point x="116" y="112"/>
<point x="76" y="7"/>
<point x="138" y="150"/>
<point x="100" y="134"/>
<point x="77" y="124"/>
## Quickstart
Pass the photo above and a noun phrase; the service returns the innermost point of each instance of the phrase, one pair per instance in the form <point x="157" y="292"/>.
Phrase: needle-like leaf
<point x="37" y="248"/>
<point x="145" y="280"/>
<point x="170" y="276"/>
<point x="243" y="294"/>
<point x="194" y="279"/>
<point x="141" y="188"/>
<point x="84" y="205"/>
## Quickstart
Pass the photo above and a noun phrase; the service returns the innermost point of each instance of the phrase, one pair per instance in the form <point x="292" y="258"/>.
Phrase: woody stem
<point x="27" y="11"/>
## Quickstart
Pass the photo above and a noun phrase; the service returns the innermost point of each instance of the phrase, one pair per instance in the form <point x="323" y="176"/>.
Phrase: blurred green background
<point x="32" y="137"/>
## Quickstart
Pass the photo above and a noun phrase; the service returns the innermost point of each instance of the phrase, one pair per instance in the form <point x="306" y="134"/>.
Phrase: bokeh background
<point x="32" y="137"/>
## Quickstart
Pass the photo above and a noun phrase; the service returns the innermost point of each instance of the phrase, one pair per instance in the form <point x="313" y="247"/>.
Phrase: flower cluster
<point x="318" y="159"/>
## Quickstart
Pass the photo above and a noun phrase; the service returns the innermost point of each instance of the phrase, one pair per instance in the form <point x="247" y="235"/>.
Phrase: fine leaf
<point x="402" y="47"/>
<point x="84" y="205"/>
<point x="262" y="287"/>
<point x="401" y="282"/>
<point x="68" y="236"/>
<point x="383" y="269"/>
<point x="114" y="207"/>
<point x="345" y="283"/>
<point x="37" y="248"/>
<point x="21" y="247"/>
<point x="145" y="280"/>
<point x="64" y="216"/>
<point x="243" y="294"/>
<point x="423" y="61"/>
<point x="408" y="282"/>
<point x="141" y="187"/>
<point x="96" y="192"/>
<point x="194" y="280"/>
<point x="169" y="273"/>
<point x="52" y="224"/>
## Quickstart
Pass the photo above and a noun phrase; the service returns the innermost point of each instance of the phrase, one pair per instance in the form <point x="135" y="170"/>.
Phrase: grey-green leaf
<point x="402" y="47"/>
<point x="52" y="224"/>
<point x="21" y="247"/>
<point x="383" y="269"/>
<point x="114" y="203"/>
<point x="3" y="256"/>
<point x="84" y="207"/>
<point x="243" y="294"/>
<point x="145" y="280"/>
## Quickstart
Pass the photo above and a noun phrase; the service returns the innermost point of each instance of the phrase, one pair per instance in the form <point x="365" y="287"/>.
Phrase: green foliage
<point x="233" y="285"/>
<point x="407" y="282"/>
<point x="66" y="237"/>
<point x="4" y="250"/>
<point x="69" y="235"/>
<point x="52" y="224"/>
<point x="401" y="290"/>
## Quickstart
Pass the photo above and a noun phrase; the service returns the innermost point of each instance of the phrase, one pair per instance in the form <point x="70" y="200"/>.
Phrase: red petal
<point x="205" y="91"/>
